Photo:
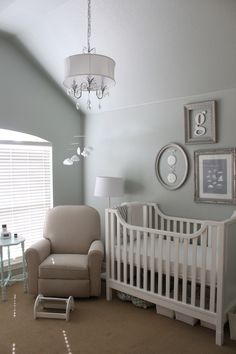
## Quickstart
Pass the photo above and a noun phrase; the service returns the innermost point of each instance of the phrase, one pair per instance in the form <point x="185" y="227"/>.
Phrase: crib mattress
<point x="172" y="258"/>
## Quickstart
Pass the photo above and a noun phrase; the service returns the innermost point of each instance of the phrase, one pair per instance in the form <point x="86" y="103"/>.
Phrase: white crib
<point x="186" y="265"/>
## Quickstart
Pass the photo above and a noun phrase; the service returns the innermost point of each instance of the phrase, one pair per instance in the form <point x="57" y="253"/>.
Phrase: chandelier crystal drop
<point x="89" y="72"/>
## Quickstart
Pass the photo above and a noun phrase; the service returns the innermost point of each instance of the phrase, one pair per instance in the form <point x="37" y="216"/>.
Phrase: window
<point x="25" y="185"/>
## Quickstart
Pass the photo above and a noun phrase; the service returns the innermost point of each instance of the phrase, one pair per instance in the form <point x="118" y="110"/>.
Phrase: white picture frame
<point x="200" y="122"/>
<point x="171" y="166"/>
<point x="214" y="176"/>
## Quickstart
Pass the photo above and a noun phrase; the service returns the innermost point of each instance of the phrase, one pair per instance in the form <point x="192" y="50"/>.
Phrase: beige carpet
<point x="99" y="327"/>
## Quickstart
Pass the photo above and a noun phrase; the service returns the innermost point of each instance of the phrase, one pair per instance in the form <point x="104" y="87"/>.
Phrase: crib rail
<point x="170" y="258"/>
<point x="154" y="218"/>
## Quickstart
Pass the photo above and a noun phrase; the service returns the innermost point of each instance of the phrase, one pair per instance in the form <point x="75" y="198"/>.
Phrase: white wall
<point x="162" y="48"/>
<point x="178" y="49"/>
<point x="127" y="141"/>
<point x="31" y="103"/>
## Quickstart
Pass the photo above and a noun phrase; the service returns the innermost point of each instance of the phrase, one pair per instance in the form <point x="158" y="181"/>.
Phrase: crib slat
<point x="185" y="264"/>
<point x="181" y="227"/>
<point x="209" y="236"/>
<point x="188" y="227"/>
<point x="131" y="257"/>
<point x="112" y="246"/>
<point x="150" y="216"/>
<point x="118" y="251"/>
<point x="138" y="259"/>
<point x="152" y="262"/>
<point x="176" y="269"/>
<point x="125" y="254"/>
<point x="174" y="226"/>
<point x="168" y="225"/>
<point x="168" y="266"/>
<point x="145" y="261"/>
<point x="203" y="268"/>
<point x="162" y="223"/>
<point x="213" y="232"/>
<point x="159" y="222"/>
<point x="194" y="271"/>
<point x="160" y="243"/>
<point x="156" y="219"/>
<point x="145" y="215"/>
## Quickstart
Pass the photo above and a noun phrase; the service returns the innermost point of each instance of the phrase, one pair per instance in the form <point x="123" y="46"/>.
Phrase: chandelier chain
<point x="89" y="25"/>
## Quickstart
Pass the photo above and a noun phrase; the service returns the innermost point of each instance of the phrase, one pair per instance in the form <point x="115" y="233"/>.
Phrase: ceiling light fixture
<point x="89" y="72"/>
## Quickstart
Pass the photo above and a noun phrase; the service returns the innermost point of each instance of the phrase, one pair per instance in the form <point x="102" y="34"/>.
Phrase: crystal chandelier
<point x="89" y="72"/>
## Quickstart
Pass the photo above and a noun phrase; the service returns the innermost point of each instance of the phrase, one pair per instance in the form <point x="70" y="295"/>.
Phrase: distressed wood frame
<point x="188" y="110"/>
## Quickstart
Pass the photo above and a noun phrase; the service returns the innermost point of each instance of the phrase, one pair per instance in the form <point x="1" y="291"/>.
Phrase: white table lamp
<point x="109" y="187"/>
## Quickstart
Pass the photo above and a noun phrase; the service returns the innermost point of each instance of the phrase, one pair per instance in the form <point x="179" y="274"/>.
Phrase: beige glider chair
<point x="67" y="261"/>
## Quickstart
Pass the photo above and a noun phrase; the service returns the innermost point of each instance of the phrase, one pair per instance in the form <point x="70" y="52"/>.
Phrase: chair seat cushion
<point x="64" y="266"/>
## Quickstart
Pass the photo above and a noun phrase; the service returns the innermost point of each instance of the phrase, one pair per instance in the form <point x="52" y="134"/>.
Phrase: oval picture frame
<point x="171" y="166"/>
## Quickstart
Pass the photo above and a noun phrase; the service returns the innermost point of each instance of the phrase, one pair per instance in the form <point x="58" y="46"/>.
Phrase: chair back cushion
<point x="72" y="228"/>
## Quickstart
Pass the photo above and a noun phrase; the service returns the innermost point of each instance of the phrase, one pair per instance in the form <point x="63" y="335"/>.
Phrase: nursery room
<point x="117" y="176"/>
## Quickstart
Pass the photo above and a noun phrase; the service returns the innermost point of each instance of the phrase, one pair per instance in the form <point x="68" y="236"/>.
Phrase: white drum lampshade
<point x="109" y="187"/>
<point x="79" y="66"/>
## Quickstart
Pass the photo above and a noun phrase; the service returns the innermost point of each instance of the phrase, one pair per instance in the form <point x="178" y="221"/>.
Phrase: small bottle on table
<point x="5" y="233"/>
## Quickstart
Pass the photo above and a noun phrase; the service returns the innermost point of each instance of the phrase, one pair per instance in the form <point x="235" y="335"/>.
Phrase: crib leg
<point x="109" y="293"/>
<point x="219" y="335"/>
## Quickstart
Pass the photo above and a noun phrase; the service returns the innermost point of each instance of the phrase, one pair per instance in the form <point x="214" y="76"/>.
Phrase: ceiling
<point x="163" y="49"/>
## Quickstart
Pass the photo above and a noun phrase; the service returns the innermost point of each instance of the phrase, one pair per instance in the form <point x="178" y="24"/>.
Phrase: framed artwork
<point x="171" y="166"/>
<point x="214" y="176"/>
<point x="200" y="122"/>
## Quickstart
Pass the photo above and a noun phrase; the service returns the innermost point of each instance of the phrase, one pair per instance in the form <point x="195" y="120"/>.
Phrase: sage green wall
<point x="127" y="141"/>
<point x="31" y="103"/>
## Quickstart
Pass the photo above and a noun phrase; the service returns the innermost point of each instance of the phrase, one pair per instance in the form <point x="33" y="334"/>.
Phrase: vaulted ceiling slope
<point x="163" y="48"/>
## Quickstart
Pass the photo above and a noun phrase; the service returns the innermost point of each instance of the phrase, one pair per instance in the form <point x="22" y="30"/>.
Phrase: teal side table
<point x="10" y="242"/>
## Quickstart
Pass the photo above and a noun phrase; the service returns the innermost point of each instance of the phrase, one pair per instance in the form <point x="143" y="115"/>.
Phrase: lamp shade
<point x="109" y="186"/>
<point x="79" y="66"/>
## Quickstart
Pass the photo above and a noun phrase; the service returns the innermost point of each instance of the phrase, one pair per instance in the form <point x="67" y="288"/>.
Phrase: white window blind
<point x="25" y="190"/>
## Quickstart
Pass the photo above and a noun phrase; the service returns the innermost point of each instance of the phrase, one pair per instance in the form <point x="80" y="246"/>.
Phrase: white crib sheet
<point x="172" y="258"/>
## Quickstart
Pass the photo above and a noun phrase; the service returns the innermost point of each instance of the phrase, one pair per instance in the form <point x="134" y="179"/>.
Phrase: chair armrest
<point x="95" y="257"/>
<point x="34" y="256"/>
<point x="96" y="248"/>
